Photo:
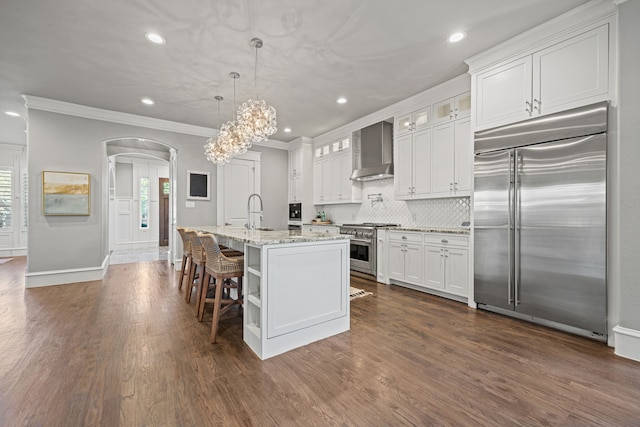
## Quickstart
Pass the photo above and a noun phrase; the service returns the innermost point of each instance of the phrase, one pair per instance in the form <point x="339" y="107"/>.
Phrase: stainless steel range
<point x="363" y="251"/>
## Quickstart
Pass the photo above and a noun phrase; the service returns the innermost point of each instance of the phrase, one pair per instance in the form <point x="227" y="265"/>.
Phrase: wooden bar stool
<point x="198" y="260"/>
<point x="186" y="255"/>
<point x="222" y="269"/>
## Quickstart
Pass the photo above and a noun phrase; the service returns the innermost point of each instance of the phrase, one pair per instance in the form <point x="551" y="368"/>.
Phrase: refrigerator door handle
<point x="516" y="238"/>
<point x="510" y="226"/>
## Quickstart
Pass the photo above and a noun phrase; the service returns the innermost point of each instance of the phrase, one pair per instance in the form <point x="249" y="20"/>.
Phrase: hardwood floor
<point x="128" y="351"/>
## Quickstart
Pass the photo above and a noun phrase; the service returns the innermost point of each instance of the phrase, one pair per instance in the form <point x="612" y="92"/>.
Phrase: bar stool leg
<point x="183" y="270"/>
<point x="216" y="308"/>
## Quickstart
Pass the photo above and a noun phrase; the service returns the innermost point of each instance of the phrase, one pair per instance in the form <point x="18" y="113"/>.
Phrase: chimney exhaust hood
<point x="375" y="160"/>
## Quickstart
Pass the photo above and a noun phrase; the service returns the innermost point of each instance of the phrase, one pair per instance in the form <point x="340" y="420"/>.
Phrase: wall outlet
<point x="190" y="204"/>
<point x="414" y="216"/>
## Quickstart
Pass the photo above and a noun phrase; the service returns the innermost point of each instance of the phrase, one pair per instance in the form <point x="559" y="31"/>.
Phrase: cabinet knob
<point x="444" y="241"/>
<point x="404" y="237"/>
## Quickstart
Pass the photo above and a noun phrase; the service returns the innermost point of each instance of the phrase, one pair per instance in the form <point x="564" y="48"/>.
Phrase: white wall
<point x="274" y="181"/>
<point x="629" y="158"/>
<point x="68" y="143"/>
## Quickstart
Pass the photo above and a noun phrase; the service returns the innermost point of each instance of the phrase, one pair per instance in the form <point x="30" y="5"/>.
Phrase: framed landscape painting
<point x="65" y="193"/>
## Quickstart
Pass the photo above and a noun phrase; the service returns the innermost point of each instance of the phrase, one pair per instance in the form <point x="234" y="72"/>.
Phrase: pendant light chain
<point x="256" y="73"/>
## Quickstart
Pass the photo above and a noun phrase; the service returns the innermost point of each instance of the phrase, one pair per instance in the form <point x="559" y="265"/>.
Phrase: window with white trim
<point x="6" y="196"/>
<point x="144" y="202"/>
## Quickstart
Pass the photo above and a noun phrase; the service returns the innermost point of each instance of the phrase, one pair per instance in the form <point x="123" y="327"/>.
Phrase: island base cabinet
<point x="302" y="295"/>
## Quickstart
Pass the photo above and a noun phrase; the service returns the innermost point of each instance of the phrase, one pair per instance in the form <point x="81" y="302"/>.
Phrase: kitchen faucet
<point x="249" y="211"/>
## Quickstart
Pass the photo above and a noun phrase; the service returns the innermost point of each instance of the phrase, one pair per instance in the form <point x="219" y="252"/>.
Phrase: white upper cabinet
<point x="567" y="74"/>
<point x="504" y="93"/>
<point x="295" y="162"/>
<point x="413" y="121"/>
<point x="412" y="165"/>
<point x="332" y="169"/>
<point x="451" y="159"/>
<point x="300" y="176"/>
<point x="451" y="109"/>
<point x="571" y="71"/>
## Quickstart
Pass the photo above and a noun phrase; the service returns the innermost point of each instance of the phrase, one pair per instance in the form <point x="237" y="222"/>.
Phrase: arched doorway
<point x="136" y="172"/>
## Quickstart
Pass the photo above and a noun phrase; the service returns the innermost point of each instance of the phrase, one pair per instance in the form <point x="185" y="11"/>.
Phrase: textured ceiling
<point x="373" y="52"/>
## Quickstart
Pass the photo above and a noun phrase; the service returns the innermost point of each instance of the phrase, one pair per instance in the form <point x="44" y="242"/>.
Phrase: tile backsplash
<point x="448" y="213"/>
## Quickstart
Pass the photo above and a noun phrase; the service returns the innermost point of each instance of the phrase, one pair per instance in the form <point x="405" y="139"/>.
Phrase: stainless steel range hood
<point x="376" y="153"/>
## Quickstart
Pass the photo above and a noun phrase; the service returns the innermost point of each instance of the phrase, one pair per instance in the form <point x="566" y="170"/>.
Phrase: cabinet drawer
<point x="405" y="236"/>
<point x="446" y="239"/>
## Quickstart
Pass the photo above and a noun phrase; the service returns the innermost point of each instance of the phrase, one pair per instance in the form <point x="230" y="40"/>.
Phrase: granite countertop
<point x="267" y="237"/>
<point x="315" y="224"/>
<point x="432" y="229"/>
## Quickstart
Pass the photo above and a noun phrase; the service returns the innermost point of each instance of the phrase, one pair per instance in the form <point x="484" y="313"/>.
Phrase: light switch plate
<point x="190" y="204"/>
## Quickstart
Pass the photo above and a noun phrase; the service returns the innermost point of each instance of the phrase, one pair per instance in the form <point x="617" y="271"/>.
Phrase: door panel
<point x="434" y="267"/>
<point x="421" y="162"/>
<point x="562" y="232"/>
<point x="493" y="263"/>
<point x="443" y="158"/>
<point x="239" y="183"/>
<point x="413" y="263"/>
<point x="403" y="166"/>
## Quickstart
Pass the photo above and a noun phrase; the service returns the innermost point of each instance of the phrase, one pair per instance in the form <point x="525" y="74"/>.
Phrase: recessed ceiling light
<point x="12" y="113"/>
<point x="147" y="101"/>
<point x="341" y="100"/>
<point x="155" y="38"/>
<point x="456" y="37"/>
<point x="287" y="130"/>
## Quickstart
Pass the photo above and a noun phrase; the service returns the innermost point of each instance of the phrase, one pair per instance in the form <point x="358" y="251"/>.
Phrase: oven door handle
<point x="368" y="242"/>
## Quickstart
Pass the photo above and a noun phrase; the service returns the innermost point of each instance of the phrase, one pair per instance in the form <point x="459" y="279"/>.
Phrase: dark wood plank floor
<point x="128" y="351"/>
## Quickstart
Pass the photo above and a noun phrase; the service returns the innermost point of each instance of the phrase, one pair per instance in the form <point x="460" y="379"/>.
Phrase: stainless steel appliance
<point x="363" y="252"/>
<point x="374" y="160"/>
<point x="540" y="220"/>
<point x="295" y="212"/>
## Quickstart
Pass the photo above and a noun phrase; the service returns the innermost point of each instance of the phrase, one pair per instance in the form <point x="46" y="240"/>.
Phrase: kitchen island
<point x="296" y="286"/>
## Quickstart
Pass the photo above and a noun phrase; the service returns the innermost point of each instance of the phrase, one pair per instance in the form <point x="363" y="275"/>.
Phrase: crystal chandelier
<point x="256" y="118"/>
<point x="255" y="122"/>
<point x="213" y="151"/>
<point x="230" y="140"/>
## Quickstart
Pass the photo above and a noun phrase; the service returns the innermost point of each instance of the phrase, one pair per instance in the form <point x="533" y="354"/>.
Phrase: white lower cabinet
<point x="325" y="229"/>
<point x="446" y="263"/>
<point x="438" y="262"/>
<point x="382" y="261"/>
<point x="405" y="257"/>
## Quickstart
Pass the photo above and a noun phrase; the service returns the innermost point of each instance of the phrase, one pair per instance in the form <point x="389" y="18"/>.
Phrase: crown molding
<point x="77" y="110"/>
<point x="61" y="107"/>
<point x="273" y="143"/>
<point x="592" y="13"/>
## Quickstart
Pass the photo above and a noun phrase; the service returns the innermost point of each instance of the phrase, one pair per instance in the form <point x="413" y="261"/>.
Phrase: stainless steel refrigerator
<point x="539" y="206"/>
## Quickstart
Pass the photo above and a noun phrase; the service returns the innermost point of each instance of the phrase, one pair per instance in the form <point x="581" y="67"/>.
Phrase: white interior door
<point x="237" y="180"/>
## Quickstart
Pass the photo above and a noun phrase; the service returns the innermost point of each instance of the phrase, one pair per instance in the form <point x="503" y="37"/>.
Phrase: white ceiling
<point x="373" y="52"/>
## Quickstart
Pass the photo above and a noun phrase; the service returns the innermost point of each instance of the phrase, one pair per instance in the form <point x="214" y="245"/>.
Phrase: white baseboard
<point x="7" y="252"/>
<point x="60" y="277"/>
<point x="137" y="246"/>
<point x="627" y="342"/>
